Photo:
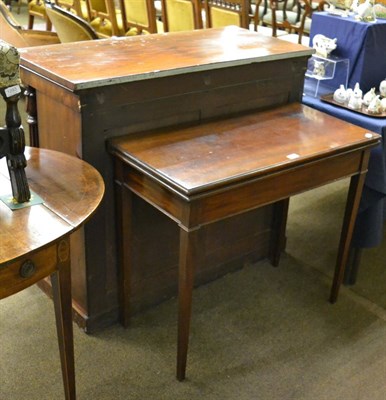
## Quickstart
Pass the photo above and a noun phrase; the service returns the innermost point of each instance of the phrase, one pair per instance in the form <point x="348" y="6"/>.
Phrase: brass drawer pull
<point x="27" y="269"/>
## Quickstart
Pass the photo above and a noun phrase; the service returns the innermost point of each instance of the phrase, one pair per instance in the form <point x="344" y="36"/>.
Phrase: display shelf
<point x="333" y="69"/>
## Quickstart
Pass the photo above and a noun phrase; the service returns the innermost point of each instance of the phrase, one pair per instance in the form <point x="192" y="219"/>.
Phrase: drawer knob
<point x="27" y="269"/>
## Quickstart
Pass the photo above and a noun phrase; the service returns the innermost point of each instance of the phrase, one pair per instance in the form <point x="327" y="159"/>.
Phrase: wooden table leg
<point x="352" y="205"/>
<point x="61" y="289"/>
<point x="188" y="259"/>
<point x="124" y="201"/>
<point x="279" y="225"/>
<point x="351" y="273"/>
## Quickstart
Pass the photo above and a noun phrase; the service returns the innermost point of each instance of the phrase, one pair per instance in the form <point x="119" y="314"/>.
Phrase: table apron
<point x="44" y="262"/>
<point x="193" y="211"/>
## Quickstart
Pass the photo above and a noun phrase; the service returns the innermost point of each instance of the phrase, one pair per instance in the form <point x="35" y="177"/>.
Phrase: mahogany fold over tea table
<point x="200" y="174"/>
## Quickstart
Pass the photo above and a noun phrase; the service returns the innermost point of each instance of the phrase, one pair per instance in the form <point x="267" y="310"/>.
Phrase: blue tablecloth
<point x="372" y="210"/>
<point x="363" y="43"/>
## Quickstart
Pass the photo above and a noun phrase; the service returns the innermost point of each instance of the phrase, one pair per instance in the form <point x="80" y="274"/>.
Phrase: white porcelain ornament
<point x="369" y="96"/>
<point x="319" y="69"/>
<point x="323" y="45"/>
<point x="365" y="11"/>
<point x="375" y="107"/>
<point x="383" y="104"/>
<point x="382" y="88"/>
<point x="340" y="95"/>
<point x="355" y="101"/>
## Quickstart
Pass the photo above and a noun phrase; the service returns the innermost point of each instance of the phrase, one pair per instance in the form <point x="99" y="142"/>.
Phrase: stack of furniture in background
<point x="286" y="19"/>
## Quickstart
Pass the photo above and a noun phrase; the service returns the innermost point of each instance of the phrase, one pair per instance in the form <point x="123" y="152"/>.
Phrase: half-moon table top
<point x="71" y="191"/>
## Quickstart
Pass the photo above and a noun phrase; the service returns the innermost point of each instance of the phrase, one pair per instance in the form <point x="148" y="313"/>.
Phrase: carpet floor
<point x="260" y="333"/>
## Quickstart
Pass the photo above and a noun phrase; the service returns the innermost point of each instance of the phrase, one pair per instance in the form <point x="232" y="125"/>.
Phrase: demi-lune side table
<point x="34" y="239"/>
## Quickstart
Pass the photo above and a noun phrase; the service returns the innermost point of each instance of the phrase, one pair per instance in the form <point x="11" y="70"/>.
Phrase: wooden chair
<point x="138" y="16"/>
<point x="36" y="8"/>
<point x="8" y="3"/>
<point x="105" y="18"/>
<point x="308" y="8"/>
<point x="78" y="7"/>
<point x="19" y="37"/>
<point x="285" y="18"/>
<point x="69" y="27"/>
<point x="220" y="13"/>
<point x="181" y="15"/>
<point x="258" y="8"/>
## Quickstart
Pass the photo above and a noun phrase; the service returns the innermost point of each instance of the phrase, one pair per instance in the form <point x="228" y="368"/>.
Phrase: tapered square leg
<point x="188" y="259"/>
<point x="61" y="289"/>
<point x="351" y="211"/>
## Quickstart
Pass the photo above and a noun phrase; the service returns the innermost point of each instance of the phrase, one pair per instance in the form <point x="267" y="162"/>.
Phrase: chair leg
<point x="48" y="24"/>
<point x="31" y="21"/>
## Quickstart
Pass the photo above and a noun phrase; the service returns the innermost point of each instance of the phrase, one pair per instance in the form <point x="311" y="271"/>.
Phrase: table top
<point x="71" y="191"/>
<point x="376" y="175"/>
<point x="98" y="63"/>
<point x="204" y="157"/>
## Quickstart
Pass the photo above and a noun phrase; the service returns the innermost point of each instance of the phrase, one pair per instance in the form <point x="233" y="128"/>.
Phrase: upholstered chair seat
<point x="291" y="17"/>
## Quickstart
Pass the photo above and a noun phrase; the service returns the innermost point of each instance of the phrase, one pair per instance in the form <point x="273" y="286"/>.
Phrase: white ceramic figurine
<point x="355" y="101"/>
<point x="340" y="95"/>
<point x="375" y="107"/>
<point x="369" y="96"/>
<point x="365" y="11"/>
<point x="382" y="88"/>
<point x="319" y="69"/>
<point x="383" y="104"/>
<point x="323" y="45"/>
